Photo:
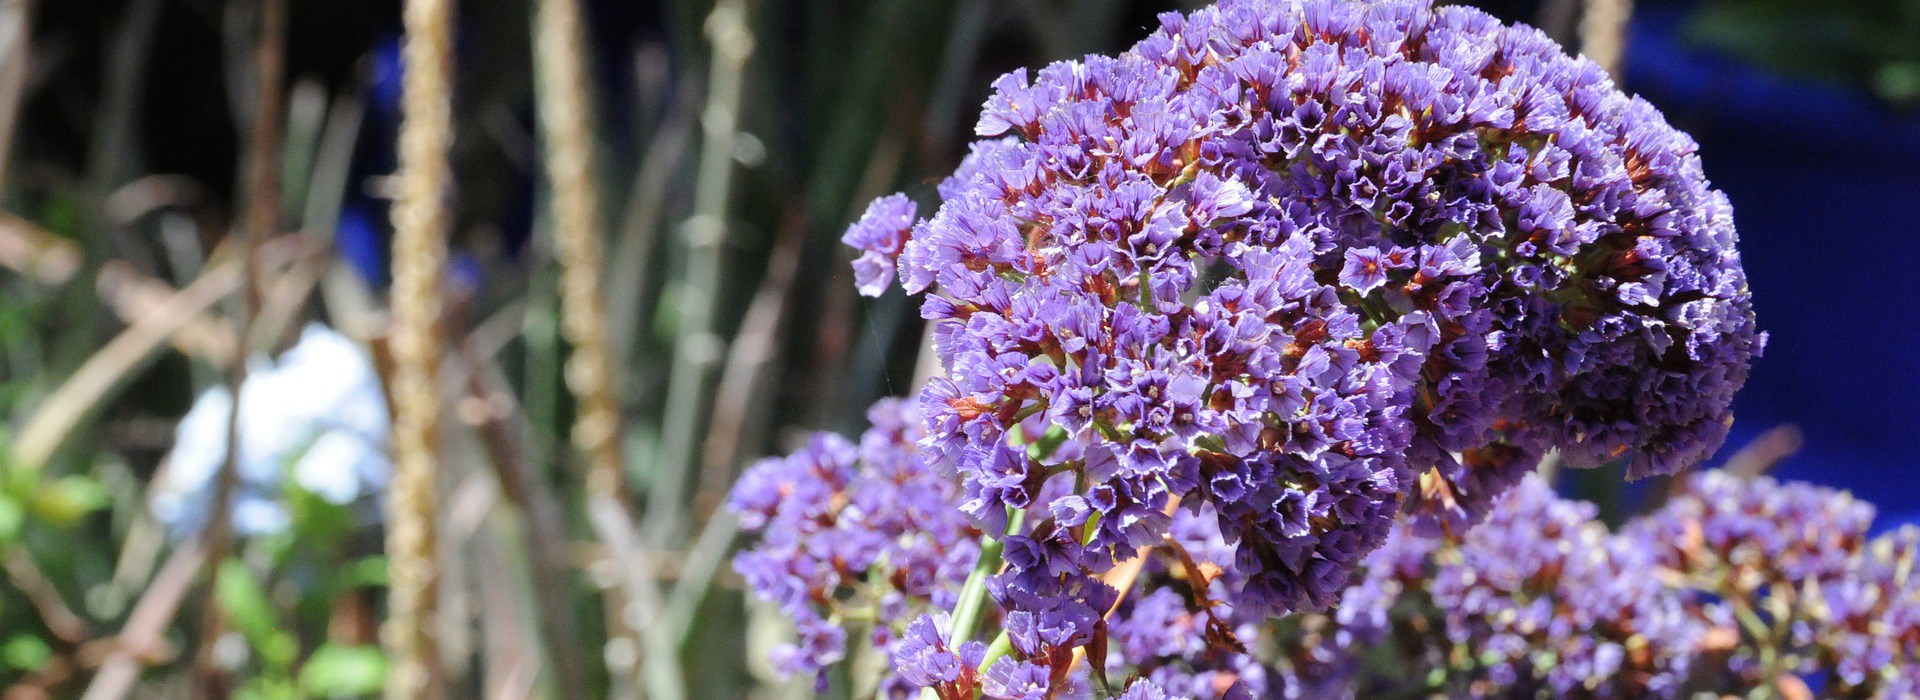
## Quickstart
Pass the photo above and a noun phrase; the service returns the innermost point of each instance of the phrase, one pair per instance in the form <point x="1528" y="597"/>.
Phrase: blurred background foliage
<point x="124" y="184"/>
<point x="1872" y="44"/>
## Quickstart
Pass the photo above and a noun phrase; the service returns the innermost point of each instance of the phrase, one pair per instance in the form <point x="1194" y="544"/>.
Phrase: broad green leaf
<point x="12" y="517"/>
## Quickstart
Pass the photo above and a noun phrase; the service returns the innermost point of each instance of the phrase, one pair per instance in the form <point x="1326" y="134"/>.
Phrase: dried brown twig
<point x="16" y="16"/>
<point x="44" y="595"/>
<point x="33" y="251"/>
<point x="261" y="224"/>
<point x="146" y="625"/>
<point x="1764" y="452"/>
<point x="134" y="296"/>
<point x="63" y="411"/>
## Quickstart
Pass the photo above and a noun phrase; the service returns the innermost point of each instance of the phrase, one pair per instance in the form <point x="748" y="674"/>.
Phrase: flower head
<point x="1310" y="263"/>
<point x="854" y="527"/>
<point x="879" y="235"/>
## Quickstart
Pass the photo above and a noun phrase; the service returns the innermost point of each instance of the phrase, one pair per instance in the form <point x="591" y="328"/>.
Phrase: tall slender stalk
<point x="419" y="261"/>
<point x="699" y="348"/>
<point x="16" y="16"/>
<point x="1603" y="32"/>
<point x="262" y="222"/>
<point x="579" y="230"/>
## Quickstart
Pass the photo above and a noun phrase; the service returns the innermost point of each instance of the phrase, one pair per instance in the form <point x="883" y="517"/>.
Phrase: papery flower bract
<point x="1145" y="690"/>
<point x="927" y="658"/>
<point x="1008" y="679"/>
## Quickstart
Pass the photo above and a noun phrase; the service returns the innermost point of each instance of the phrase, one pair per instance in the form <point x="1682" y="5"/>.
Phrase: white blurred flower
<point x="319" y="415"/>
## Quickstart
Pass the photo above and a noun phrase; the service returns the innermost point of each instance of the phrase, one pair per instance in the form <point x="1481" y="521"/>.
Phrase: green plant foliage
<point x="1872" y="44"/>
<point x="25" y="652"/>
<point x="336" y="671"/>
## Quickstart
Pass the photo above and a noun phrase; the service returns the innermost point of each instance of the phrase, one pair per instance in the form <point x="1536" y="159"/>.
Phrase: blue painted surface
<point x="1825" y="184"/>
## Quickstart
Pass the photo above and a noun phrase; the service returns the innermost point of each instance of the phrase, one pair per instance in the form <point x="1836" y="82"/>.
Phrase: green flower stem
<point x="973" y="593"/>
<point x="999" y="647"/>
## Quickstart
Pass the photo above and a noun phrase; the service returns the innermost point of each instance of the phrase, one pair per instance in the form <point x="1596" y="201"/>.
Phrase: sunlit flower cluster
<point x="1308" y="264"/>
<point x="863" y="529"/>
<point x="1288" y="269"/>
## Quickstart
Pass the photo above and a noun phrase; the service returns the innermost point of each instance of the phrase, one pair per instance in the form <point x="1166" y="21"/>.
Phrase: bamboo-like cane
<point x="419" y="261"/>
<point x="699" y="349"/>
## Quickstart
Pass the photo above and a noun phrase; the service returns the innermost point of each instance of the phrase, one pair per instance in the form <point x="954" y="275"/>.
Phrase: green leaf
<point x="369" y="571"/>
<point x="26" y="652"/>
<point x="1898" y="82"/>
<point x="266" y="689"/>
<point x="317" y="520"/>
<point x="343" y="671"/>
<point x="12" y="517"/>
<point x="246" y="604"/>
<point x="66" y="500"/>
<point x="279" y="650"/>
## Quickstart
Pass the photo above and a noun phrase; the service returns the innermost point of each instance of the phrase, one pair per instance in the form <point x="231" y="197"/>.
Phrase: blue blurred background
<point x="1824" y="175"/>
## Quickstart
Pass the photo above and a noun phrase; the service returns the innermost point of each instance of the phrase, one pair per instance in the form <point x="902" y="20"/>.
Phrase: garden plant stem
<point x="419" y="261"/>
<point x="699" y="348"/>
<point x="973" y="593"/>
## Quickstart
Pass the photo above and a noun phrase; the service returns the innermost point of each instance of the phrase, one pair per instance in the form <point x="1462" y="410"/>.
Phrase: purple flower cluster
<point x="1539" y="599"/>
<point x="1788" y="570"/>
<point x="1307" y="263"/>
<point x="861" y="529"/>
<point x="1759" y="532"/>
<point x="926" y="657"/>
<point x="1869" y="631"/>
<point x="1733" y="586"/>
